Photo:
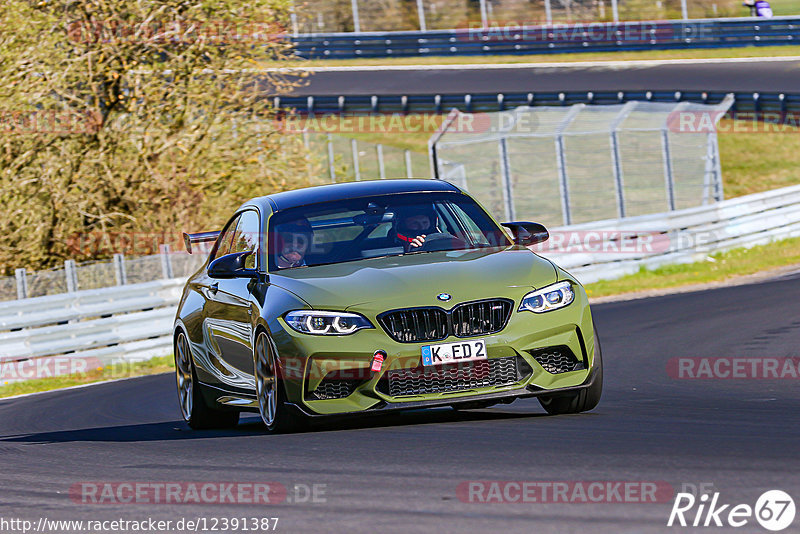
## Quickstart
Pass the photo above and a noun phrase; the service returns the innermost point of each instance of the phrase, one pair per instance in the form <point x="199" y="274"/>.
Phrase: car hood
<point x="378" y="284"/>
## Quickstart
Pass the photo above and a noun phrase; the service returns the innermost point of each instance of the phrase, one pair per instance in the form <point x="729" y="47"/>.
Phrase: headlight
<point x="548" y="298"/>
<point x="326" y="322"/>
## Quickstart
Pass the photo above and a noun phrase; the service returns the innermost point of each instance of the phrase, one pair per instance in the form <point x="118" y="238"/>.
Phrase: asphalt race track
<point x="772" y="75"/>
<point x="400" y="473"/>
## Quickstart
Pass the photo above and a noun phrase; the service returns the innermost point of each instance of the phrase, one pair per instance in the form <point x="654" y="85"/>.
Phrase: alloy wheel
<point x="183" y="374"/>
<point x="266" y="382"/>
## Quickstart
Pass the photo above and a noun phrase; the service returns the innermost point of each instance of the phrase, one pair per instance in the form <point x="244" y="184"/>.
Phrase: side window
<point x="225" y="239"/>
<point x="474" y="233"/>
<point x="246" y="237"/>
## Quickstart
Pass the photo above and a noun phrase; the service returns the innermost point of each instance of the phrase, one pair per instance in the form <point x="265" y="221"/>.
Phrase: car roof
<point x="331" y="192"/>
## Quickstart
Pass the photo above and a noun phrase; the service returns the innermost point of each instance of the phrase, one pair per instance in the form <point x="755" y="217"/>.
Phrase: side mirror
<point x="527" y="233"/>
<point x="231" y="266"/>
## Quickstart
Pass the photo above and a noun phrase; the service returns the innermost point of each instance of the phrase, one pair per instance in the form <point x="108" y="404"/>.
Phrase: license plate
<point x="462" y="351"/>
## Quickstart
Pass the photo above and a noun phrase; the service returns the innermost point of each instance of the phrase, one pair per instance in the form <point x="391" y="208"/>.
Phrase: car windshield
<point x="371" y="227"/>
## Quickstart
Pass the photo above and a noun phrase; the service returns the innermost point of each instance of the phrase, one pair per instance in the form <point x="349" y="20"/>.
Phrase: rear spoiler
<point x="202" y="237"/>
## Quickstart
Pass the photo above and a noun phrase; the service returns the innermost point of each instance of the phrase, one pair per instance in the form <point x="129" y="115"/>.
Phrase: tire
<point x="583" y="400"/>
<point x="194" y="408"/>
<point x="270" y="391"/>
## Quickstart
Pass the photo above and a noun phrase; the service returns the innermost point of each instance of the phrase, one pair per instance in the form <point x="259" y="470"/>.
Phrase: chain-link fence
<point x="327" y="16"/>
<point x="347" y="159"/>
<point x="121" y="270"/>
<point x="567" y="165"/>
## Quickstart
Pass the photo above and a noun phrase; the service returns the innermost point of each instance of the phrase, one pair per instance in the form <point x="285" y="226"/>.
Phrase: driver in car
<point x="292" y="241"/>
<point x="413" y="224"/>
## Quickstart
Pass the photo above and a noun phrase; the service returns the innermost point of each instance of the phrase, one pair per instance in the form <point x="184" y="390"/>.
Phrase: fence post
<point x="409" y="174"/>
<point x="381" y="168"/>
<point x="561" y="162"/>
<point x="722" y="108"/>
<point x="421" y="14"/>
<point x="719" y="193"/>
<point x="548" y="13"/>
<point x="617" y="166"/>
<point x="684" y="10"/>
<point x="293" y="18"/>
<point x="22" y="283"/>
<point x="354" y="149"/>
<point x="432" y="150"/>
<point x="331" y="167"/>
<point x="166" y="261"/>
<point x="614" y="10"/>
<point x="669" y="179"/>
<point x="563" y="185"/>
<point x="616" y="158"/>
<point x="71" y="275"/>
<point x="505" y="176"/>
<point x="356" y="21"/>
<point x="484" y="15"/>
<point x="119" y="270"/>
<point x="709" y="169"/>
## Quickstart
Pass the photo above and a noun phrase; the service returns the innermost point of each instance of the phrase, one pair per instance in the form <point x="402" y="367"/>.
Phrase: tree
<point x="135" y="117"/>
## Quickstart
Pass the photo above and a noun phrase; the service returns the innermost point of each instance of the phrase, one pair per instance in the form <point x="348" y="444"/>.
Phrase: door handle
<point x="214" y="287"/>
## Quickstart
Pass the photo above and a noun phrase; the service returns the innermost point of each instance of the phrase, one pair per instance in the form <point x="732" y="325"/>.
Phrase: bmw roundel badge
<point x="443" y="296"/>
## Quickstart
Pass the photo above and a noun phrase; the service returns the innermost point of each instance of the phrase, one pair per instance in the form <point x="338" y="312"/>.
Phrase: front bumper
<point x="308" y="360"/>
<point x="497" y="396"/>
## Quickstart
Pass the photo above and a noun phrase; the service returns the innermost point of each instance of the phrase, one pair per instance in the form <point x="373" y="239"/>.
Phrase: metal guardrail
<point x="553" y="39"/>
<point x="744" y="102"/>
<point x="682" y="236"/>
<point x="95" y="327"/>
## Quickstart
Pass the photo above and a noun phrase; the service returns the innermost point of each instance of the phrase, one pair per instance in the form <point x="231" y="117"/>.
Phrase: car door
<point x="228" y="311"/>
<point x="230" y="302"/>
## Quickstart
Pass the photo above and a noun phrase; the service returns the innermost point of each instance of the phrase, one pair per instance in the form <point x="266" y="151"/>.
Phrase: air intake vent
<point x="557" y="360"/>
<point x="454" y="377"/>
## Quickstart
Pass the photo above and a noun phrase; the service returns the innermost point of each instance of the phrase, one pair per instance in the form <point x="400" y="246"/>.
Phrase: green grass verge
<point x="121" y="370"/>
<point x="713" y="53"/>
<point x="719" y="267"/>
<point x="758" y="161"/>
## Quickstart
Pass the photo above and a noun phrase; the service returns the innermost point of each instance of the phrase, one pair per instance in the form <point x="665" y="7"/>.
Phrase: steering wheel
<point x="442" y="241"/>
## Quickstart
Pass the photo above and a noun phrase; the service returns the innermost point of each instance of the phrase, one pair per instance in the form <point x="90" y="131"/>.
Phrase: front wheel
<point x="270" y="391"/>
<point x="194" y="409"/>
<point x="582" y="401"/>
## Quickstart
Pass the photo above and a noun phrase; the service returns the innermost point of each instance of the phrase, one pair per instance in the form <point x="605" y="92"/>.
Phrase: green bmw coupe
<point x="373" y="296"/>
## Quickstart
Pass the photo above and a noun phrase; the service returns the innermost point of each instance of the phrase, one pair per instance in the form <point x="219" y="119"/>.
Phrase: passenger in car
<point x="292" y="241"/>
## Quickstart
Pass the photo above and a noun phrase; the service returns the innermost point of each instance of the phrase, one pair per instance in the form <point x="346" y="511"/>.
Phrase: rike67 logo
<point x="774" y="510"/>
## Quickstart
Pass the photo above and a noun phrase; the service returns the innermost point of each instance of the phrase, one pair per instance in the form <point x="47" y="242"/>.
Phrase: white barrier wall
<point x="604" y="250"/>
